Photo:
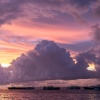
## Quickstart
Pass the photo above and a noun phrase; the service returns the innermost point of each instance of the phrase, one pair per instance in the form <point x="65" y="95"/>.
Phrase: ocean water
<point x="49" y="95"/>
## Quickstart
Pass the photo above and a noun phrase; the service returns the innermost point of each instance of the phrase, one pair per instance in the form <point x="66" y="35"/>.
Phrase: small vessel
<point x="74" y="88"/>
<point x="20" y="88"/>
<point x="88" y="88"/>
<point x="96" y="88"/>
<point x="51" y="88"/>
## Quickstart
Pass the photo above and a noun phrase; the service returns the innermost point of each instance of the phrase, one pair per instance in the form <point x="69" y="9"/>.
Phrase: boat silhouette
<point x="51" y="88"/>
<point x="20" y="88"/>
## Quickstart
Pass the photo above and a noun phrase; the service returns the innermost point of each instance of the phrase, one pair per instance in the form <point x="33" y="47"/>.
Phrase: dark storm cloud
<point x="30" y="9"/>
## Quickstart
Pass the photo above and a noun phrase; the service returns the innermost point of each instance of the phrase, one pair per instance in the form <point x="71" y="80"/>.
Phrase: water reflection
<point x="49" y="95"/>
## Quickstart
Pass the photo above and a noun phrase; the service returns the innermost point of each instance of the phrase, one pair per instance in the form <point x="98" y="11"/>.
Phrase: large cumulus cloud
<point x="46" y="61"/>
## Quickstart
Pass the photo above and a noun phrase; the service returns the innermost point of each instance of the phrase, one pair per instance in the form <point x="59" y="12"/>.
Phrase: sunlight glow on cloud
<point x="91" y="67"/>
<point x="5" y="65"/>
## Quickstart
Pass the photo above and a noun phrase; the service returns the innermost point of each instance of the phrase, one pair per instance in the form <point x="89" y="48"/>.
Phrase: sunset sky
<point x="69" y="23"/>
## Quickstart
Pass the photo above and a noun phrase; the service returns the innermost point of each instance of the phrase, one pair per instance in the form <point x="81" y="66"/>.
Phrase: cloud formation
<point x="48" y="61"/>
<point x="35" y="9"/>
<point x="92" y="55"/>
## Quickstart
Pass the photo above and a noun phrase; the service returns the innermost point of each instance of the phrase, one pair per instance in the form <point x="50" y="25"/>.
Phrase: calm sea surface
<point x="49" y="95"/>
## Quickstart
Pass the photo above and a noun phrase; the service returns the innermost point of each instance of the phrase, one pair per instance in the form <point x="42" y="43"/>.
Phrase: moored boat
<point x="74" y="87"/>
<point x="20" y="88"/>
<point x="51" y="88"/>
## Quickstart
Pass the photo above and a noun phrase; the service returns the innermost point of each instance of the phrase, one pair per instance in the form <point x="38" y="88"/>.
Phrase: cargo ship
<point x="74" y="87"/>
<point x="51" y="88"/>
<point x="20" y="88"/>
<point x="88" y="88"/>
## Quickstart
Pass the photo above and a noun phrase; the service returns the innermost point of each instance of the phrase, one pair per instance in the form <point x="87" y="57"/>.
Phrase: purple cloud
<point x="46" y="61"/>
<point x="35" y="9"/>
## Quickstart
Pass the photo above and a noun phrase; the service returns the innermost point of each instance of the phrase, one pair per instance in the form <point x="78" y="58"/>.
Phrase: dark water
<point x="49" y="95"/>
